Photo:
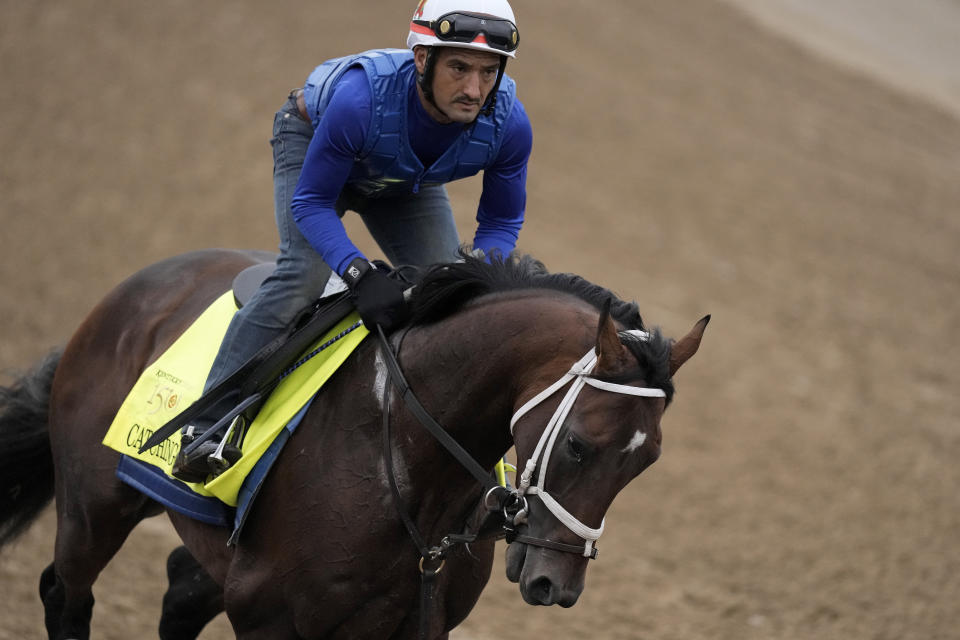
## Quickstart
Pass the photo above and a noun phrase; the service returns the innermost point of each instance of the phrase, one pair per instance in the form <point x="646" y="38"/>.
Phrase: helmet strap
<point x="488" y="108"/>
<point x="425" y="79"/>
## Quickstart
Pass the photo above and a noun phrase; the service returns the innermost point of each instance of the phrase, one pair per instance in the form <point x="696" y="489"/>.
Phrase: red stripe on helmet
<point x="416" y="28"/>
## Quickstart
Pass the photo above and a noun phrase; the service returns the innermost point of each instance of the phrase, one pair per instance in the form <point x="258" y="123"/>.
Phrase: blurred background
<point x="792" y="168"/>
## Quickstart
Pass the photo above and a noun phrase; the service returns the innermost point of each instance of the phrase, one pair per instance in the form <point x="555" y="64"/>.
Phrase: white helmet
<point x="486" y="25"/>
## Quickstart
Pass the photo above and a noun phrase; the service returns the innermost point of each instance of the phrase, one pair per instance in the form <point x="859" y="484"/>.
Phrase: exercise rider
<point x="380" y="133"/>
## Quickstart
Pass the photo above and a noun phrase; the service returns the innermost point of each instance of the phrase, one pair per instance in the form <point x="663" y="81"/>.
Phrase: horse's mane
<point x="444" y="289"/>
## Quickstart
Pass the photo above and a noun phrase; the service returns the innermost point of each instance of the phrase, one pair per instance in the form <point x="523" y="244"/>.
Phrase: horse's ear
<point x="684" y="348"/>
<point x="611" y="355"/>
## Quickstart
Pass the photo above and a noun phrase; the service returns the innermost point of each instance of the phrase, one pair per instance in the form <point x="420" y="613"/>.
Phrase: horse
<point x="351" y="517"/>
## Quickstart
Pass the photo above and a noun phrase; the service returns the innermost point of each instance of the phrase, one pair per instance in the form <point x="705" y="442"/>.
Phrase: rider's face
<point x="462" y="80"/>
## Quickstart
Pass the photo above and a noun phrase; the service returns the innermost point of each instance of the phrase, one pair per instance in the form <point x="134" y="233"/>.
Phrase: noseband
<point x="579" y="373"/>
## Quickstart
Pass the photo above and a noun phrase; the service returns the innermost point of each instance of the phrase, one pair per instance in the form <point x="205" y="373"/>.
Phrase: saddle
<point x="253" y="381"/>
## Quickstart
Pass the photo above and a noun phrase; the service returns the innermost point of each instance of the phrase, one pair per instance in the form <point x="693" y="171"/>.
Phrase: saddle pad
<point x="176" y="380"/>
<point x="176" y="495"/>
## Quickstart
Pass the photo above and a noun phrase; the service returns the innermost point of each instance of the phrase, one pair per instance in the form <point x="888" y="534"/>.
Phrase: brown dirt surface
<point x="685" y="158"/>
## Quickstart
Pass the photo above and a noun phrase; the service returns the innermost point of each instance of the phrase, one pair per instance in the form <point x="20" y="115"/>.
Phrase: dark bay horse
<point x="501" y="354"/>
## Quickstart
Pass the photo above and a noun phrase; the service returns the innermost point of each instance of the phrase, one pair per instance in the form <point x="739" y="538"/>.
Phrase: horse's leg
<point x="89" y="533"/>
<point x="52" y="598"/>
<point x="258" y="618"/>
<point x="192" y="600"/>
<point x="95" y="511"/>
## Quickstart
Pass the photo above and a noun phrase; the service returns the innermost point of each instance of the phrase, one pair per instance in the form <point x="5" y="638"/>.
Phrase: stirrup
<point x="201" y="456"/>
<point x="228" y="451"/>
<point x="210" y="458"/>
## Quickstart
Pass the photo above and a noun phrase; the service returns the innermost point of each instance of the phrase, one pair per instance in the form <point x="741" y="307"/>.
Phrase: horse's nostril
<point x="541" y="590"/>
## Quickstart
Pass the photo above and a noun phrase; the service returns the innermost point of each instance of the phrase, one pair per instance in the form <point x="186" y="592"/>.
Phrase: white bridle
<point x="580" y="374"/>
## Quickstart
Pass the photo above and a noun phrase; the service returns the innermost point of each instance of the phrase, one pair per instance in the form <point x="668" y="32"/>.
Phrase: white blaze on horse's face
<point x="635" y="442"/>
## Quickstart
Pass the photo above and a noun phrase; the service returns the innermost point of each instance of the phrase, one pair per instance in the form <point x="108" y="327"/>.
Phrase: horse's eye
<point x="576" y="449"/>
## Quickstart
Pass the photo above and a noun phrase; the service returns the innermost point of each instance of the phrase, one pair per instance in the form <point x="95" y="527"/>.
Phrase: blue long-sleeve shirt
<point x="341" y="134"/>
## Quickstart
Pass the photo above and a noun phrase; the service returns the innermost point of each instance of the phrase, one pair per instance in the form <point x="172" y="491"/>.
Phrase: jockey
<point x="380" y="133"/>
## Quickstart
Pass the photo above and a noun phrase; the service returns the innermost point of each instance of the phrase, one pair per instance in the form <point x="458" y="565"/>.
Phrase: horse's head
<point x="602" y="429"/>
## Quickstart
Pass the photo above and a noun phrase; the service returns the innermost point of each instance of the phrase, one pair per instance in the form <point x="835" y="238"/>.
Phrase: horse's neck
<point x="470" y="372"/>
<point x="470" y="369"/>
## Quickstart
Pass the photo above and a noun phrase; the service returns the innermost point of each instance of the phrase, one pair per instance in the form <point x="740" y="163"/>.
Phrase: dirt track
<point x="684" y="158"/>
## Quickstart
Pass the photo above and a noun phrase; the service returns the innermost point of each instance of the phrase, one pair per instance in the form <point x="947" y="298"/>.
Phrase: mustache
<point x="466" y="100"/>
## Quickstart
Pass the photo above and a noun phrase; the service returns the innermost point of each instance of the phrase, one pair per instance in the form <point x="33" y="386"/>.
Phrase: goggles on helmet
<point x="458" y="26"/>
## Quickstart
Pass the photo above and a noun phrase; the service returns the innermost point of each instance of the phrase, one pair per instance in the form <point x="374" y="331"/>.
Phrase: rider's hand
<point x="378" y="298"/>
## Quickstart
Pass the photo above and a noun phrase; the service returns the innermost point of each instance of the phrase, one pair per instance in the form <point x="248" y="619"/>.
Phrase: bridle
<point x="579" y="374"/>
<point x="509" y="501"/>
<point x="503" y="501"/>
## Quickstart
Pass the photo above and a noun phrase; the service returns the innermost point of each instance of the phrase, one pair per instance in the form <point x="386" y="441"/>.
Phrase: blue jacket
<point x="387" y="163"/>
<point x="373" y="138"/>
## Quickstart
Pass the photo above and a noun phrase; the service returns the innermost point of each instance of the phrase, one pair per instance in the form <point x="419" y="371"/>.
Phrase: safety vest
<point x="387" y="163"/>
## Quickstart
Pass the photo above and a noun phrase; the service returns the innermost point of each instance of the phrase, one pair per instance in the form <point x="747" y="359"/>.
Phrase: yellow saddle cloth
<point x="176" y="380"/>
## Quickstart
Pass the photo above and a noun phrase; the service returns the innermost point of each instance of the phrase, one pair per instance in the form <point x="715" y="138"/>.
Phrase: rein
<point x="483" y="476"/>
<point x="432" y="559"/>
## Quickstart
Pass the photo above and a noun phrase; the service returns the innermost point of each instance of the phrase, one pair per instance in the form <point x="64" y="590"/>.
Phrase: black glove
<point x="379" y="299"/>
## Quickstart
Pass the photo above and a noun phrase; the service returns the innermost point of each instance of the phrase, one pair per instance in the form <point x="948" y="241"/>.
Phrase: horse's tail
<point x="26" y="463"/>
